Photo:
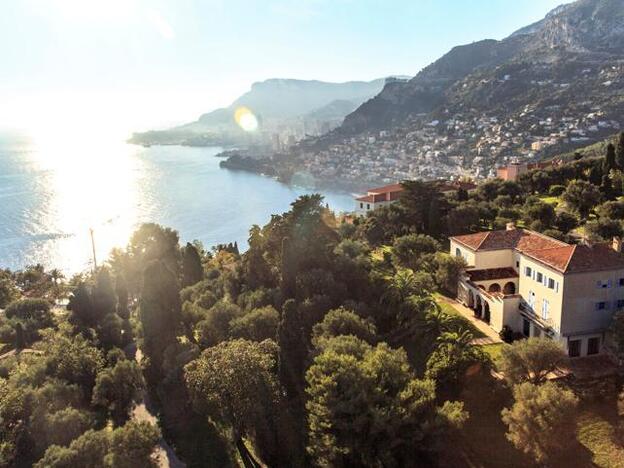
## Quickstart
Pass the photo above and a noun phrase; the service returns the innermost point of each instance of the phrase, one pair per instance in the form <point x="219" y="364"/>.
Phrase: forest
<point x="326" y="343"/>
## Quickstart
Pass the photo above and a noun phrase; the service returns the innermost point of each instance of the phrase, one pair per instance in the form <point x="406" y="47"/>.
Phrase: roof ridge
<point x="544" y="236"/>
<point x="565" y="268"/>
<point x="487" y="234"/>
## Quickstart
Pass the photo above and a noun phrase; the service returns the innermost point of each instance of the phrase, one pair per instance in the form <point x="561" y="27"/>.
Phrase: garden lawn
<point x="464" y="323"/>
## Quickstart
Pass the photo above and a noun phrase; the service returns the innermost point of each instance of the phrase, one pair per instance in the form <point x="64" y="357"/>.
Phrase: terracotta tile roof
<point x="492" y="274"/>
<point x="386" y="189"/>
<point x="580" y="258"/>
<point x="519" y="239"/>
<point x="366" y="199"/>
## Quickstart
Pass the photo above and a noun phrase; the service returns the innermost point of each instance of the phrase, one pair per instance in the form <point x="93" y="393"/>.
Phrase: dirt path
<point x="143" y="411"/>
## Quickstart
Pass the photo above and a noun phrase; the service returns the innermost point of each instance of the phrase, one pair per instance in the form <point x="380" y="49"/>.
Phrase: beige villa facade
<point x="539" y="286"/>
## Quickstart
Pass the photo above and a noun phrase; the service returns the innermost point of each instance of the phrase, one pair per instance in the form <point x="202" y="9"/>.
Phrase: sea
<point x="54" y="193"/>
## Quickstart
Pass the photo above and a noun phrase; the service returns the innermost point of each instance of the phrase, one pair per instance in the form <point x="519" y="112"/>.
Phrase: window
<point x="620" y="303"/>
<point x="368" y="206"/>
<point x="621" y="282"/>
<point x="527" y="271"/>
<point x="517" y="264"/>
<point x="539" y="277"/>
<point x="531" y="299"/>
<point x="601" y="306"/>
<point x="574" y="348"/>
<point x="551" y="283"/>
<point x="361" y="205"/>
<point x="603" y="284"/>
<point x="593" y="346"/>
<point x="545" y="309"/>
<point x="458" y="252"/>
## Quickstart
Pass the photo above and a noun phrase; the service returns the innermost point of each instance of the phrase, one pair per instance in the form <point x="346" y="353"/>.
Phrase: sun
<point x="246" y="119"/>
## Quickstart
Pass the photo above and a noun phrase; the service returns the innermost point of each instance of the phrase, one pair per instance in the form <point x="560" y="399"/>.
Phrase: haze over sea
<point x="52" y="192"/>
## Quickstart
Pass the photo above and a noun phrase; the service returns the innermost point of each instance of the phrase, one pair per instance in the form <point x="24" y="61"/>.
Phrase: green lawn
<point x="596" y="431"/>
<point x="493" y="350"/>
<point x="482" y="441"/>
<point x="463" y="321"/>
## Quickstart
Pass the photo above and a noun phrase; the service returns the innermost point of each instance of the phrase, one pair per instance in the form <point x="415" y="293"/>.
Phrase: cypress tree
<point x="609" y="161"/>
<point x="192" y="269"/>
<point x="619" y="153"/>
<point x="606" y="187"/>
<point x="20" y="342"/>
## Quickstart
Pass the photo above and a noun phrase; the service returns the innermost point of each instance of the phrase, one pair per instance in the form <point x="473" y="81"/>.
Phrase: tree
<point x="541" y="421"/>
<point x="530" y="360"/>
<point x="609" y="162"/>
<point x="452" y="358"/>
<point x="617" y="331"/>
<point x="292" y="349"/>
<point x="82" y="311"/>
<point x="367" y="408"/>
<point x="88" y="451"/>
<point x="603" y="229"/>
<point x="606" y="187"/>
<point x="118" y="388"/>
<point x="258" y="325"/>
<point x="192" y="269"/>
<point x="8" y="289"/>
<point x="448" y="271"/>
<point x="215" y="327"/>
<point x="160" y="314"/>
<point x="73" y="359"/>
<point x="343" y="322"/>
<point x="581" y="196"/>
<point x="619" y="152"/>
<point x="132" y="445"/>
<point x="235" y="383"/>
<point x="540" y="211"/>
<point x="414" y="250"/>
<point x="463" y="219"/>
<point x="565" y="221"/>
<point x="33" y="315"/>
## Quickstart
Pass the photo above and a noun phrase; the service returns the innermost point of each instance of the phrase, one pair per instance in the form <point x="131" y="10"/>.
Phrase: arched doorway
<point x="494" y="288"/>
<point x="471" y="299"/>
<point x="509" y="288"/>
<point x="486" y="312"/>
<point x="477" y="308"/>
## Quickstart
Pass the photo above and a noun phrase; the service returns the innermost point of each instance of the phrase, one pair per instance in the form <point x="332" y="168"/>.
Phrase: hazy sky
<point x="140" y="63"/>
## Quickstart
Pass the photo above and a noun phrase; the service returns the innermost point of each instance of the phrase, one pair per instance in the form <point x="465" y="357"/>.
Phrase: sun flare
<point x="246" y="119"/>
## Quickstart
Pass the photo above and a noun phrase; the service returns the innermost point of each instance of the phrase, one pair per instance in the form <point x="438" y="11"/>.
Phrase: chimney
<point x="510" y="226"/>
<point x="617" y="244"/>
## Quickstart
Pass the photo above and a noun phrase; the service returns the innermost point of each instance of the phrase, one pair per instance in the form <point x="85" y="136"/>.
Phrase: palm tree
<point x="56" y="276"/>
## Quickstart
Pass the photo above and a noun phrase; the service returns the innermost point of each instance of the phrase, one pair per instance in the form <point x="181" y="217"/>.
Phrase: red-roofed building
<point x="388" y="194"/>
<point x="540" y="286"/>
<point x="378" y="197"/>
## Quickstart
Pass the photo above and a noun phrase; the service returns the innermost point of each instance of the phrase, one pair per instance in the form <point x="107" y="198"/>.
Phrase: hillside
<point x="547" y="88"/>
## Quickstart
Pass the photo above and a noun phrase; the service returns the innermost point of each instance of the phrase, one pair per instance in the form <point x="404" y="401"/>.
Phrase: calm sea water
<point x="52" y="193"/>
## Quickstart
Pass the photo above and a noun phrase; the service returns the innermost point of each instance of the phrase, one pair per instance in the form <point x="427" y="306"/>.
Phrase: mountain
<point x="276" y="103"/>
<point x="547" y="88"/>
<point x="572" y="38"/>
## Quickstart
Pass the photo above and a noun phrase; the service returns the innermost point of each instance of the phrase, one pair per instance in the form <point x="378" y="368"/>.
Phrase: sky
<point x="123" y="65"/>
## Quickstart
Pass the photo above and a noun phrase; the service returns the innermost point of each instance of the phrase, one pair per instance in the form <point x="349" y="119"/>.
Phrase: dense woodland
<point x="324" y="344"/>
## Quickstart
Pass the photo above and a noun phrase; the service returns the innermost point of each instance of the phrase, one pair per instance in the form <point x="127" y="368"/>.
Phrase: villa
<point x="539" y="286"/>
<point x="378" y="197"/>
<point x="388" y="194"/>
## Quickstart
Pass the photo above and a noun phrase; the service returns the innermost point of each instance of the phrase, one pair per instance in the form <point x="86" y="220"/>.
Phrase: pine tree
<point x="289" y="270"/>
<point x="619" y="153"/>
<point x="20" y="342"/>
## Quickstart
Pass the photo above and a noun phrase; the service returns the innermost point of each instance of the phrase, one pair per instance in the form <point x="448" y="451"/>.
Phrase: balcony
<point x="528" y="311"/>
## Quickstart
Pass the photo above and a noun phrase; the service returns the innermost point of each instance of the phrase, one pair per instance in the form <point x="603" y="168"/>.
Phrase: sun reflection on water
<point x="90" y="185"/>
